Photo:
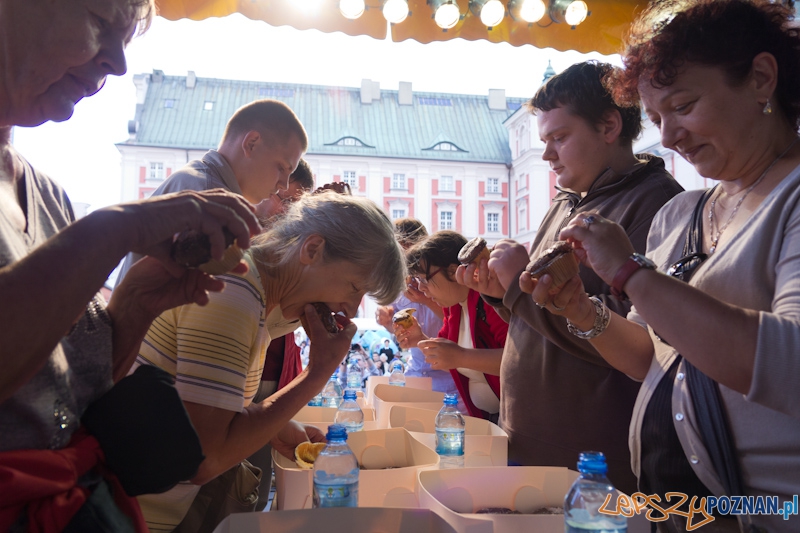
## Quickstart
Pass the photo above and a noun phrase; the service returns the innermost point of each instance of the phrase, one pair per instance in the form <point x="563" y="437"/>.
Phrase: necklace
<point x="711" y="218"/>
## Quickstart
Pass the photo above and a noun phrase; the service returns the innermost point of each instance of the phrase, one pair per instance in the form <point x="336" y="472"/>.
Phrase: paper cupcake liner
<point x="229" y="260"/>
<point x="562" y="268"/>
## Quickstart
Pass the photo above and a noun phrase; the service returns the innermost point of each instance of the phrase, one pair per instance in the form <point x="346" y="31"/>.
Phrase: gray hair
<point x="355" y="229"/>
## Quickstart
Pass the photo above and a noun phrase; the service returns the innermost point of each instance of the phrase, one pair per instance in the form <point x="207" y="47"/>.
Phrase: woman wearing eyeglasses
<point x="470" y="343"/>
<point x="715" y="329"/>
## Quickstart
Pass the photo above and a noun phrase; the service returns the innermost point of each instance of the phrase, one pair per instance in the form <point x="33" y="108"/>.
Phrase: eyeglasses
<point x="684" y="267"/>
<point x="424" y="281"/>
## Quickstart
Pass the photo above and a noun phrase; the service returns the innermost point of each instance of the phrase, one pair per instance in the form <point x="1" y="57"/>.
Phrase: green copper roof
<point x="194" y="118"/>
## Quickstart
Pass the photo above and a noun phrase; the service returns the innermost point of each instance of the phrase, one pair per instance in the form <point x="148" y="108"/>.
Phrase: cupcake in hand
<point x="559" y="261"/>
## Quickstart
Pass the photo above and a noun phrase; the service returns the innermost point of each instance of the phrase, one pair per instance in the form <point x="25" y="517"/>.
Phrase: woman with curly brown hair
<point x="717" y="347"/>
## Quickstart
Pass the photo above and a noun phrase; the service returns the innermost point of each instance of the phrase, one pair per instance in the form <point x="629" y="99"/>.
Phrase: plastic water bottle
<point x="316" y="401"/>
<point x="587" y="495"/>
<point x="450" y="433"/>
<point x="353" y="376"/>
<point x="336" y="472"/>
<point x="397" y="377"/>
<point x="350" y="414"/>
<point x="332" y="393"/>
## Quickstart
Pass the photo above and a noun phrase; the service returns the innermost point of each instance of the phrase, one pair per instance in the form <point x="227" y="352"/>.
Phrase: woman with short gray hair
<point x="328" y="248"/>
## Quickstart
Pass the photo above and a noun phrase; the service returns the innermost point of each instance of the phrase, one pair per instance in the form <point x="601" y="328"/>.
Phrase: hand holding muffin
<point x="407" y="328"/>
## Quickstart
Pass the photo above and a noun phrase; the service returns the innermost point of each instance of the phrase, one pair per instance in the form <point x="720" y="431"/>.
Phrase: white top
<point x="480" y="392"/>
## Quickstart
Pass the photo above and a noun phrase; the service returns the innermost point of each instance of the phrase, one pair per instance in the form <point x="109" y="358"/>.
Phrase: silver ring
<point x="540" y="306"/>
<point x="588" y="221"/>
<point x="557" y="308"/>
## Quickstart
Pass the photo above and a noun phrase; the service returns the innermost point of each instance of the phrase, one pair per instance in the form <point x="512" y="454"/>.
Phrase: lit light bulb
<point x="447" y="16"/>
<point x="395" y="11"/>
<point x="532" y="10"/>
<point x="492" y="13"/>
<point x="576" y="12"/>
<point x="351" y="9"/>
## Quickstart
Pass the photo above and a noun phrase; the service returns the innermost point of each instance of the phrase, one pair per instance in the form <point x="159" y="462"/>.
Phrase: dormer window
<point x="349" y="141"/>
<point x="446" y="147"/>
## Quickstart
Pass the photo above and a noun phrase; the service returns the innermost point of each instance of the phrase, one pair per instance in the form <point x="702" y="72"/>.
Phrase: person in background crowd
<point x="470" y="343"/>
<point x="589" y="145"/>
<point x="61" y="347"/>
<point x="217" y="352"/>
<point x="429" y="314"/>
<point x="721" y="326"/>
<point x="260" y="148"/>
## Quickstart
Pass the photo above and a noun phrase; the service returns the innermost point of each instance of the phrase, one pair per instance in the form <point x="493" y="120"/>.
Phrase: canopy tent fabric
<point x="602" y="31"/>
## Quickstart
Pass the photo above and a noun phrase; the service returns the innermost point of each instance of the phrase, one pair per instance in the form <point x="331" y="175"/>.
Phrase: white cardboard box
<point x="341" y="520"/>
<point x="392" y="458"/>
<point x="456" y="494"/>
<point x="411" y="383"/>
<point x="387" y="396"/>
<point x="485" y="444"/>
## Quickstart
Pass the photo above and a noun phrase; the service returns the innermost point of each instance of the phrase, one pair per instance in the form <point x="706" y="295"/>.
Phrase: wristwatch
<point x="634" y="263"/>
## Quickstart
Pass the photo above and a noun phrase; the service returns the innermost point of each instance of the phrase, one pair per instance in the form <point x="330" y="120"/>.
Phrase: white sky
<point x="80" y="153"/>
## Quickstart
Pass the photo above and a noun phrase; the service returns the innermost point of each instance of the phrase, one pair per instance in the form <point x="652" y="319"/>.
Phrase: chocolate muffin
<point x="192" y="249"/>
<point x="474" y="251"/>
<point x="326" y="315"/>
<point x="559" y="261"/>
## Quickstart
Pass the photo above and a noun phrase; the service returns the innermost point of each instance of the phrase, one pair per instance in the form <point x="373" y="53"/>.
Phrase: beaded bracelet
<point x="601" y="319"/>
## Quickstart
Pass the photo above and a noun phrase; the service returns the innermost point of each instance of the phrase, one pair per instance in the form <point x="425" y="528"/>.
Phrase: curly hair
<point x="580" y="89"/>
<point x="726" y="34"/>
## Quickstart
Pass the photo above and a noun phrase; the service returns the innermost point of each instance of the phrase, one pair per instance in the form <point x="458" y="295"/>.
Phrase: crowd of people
<point x="672" y="350"/>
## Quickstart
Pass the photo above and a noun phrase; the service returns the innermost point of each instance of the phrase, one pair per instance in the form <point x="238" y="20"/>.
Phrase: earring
<point x="767" y="108"/>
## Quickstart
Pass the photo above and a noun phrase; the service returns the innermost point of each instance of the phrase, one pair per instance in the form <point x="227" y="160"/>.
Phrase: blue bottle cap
<point x="451" y="399"/>
<point x="336" y="432"/>
<point x="350" y="394"/>
<point x="592" y="463"/>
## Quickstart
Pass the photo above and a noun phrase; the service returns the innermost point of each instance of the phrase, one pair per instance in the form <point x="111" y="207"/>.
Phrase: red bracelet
<point x="633" y="264"/>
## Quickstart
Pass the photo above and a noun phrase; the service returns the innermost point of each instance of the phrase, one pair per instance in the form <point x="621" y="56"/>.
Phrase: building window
<point x="446" y="220"/>
<point x="156" y="171"/>
<point x="169" y="103"/>
<point x="492" y="185"/>
<point x="522" y="221"/>
<point x="399" y="182"/>
<point x="398" y="213"/>
<point x="349" y="141"/>
<point x="493" y="222"/>
<point x="446" y="183"/>
<point x="208" y="106"/>
<point x="446" y="147"/>
<point x="349" y="177"/>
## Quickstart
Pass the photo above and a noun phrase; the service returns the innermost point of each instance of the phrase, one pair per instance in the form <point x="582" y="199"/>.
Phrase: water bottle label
<point x="354" y="381"/>
<point x="450" y="442"/>
<point x="339" y="495"/>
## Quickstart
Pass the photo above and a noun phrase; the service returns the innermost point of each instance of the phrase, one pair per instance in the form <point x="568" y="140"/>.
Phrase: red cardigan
<point x="487" y="333"/>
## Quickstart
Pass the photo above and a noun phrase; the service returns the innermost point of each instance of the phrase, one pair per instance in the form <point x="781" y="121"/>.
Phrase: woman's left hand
<point x="569" y="300"/>
<point x="599" y="243"/>
<point x="441" y="354"/>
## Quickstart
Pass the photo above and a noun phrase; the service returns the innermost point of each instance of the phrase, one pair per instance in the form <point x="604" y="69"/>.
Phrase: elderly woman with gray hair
<point x="216" y="353"/>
